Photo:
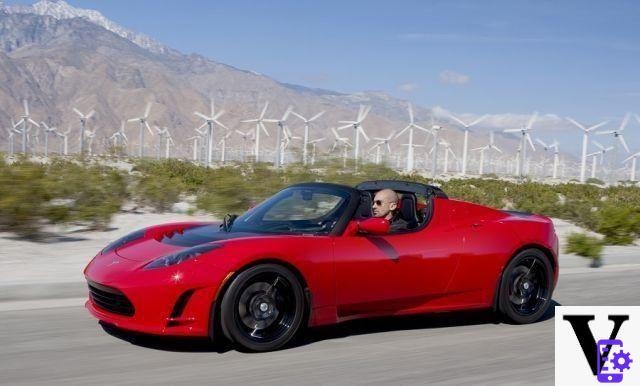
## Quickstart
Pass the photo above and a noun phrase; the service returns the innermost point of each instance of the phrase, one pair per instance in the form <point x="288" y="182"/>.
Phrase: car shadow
<point x="317" y="334"/>
<point x="166" y="343"/>
<point x="403" y="323"/>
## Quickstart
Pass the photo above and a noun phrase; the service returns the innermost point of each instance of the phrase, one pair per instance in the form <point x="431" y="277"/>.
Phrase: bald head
<point x="385" y="203"/>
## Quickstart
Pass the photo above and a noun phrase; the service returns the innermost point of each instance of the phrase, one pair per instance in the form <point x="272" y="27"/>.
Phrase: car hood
<point x="172" y="241"/>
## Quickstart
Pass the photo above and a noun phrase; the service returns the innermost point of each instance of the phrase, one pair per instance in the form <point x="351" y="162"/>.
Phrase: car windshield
<point x="295" y="210"/>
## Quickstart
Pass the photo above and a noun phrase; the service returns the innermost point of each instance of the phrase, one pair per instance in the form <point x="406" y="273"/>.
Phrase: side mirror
<point x="374" y="226"/>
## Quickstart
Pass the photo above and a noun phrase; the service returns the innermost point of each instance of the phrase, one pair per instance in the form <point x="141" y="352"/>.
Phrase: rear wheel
<point x="263" y="308"/>
<point x="526" y="287"/>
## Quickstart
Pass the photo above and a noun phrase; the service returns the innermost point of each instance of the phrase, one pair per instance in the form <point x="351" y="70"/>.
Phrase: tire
<point x="263" y="308"/>
<point x="526" y="287"/>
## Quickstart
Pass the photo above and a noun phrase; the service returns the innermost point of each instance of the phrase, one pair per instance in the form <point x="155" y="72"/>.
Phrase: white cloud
<point x="452" y="77"/>
<point x="408" y="87"/>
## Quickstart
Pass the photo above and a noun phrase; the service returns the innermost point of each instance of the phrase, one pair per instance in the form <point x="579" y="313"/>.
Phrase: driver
<point x="385" y="205"/>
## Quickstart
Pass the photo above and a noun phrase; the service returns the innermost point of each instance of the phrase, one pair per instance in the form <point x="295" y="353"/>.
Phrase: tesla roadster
<point x="313" y="255"/>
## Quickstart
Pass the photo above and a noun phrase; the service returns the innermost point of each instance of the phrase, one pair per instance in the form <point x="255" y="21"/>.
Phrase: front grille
<point x="110" y="299"/>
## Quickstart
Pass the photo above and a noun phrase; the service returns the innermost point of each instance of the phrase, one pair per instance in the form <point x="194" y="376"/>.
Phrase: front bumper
<point x="173" y="301"/>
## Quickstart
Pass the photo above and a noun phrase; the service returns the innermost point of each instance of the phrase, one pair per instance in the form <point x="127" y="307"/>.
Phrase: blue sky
<point x="577" y="58"/>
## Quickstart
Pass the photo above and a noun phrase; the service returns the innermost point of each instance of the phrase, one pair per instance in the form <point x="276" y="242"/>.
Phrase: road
<point x="64" y="345"/>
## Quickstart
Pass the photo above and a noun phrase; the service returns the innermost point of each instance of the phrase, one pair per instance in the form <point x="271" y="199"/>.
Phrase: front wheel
<point x="263" y="308"/>
<point x="526" y="287"/>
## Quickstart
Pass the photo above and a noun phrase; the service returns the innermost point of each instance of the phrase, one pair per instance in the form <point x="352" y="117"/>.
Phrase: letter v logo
<point x="580" y="325"/>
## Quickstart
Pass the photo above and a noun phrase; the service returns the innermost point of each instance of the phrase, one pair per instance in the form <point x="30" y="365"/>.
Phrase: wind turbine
<point x="526" y="138"/>
<point x="209" y="121"/>
<point x="47" y="130"/>
<point x="83" y="123"/>
<point x="65" y="141"/>
<point x="632" y="158"/>
<point x="410" y="146"/>
<point x="168" y="141"/>
<point x="24" y="119"/>
<point x="245" y="137"/>
<point x="313" y="144"/>
<point x="196" y="139"/>
<point x="11" y="132"/>
<point x="259" y="126"/>
<point x="488" y="147"/>
<point x="143" y="124"/>
<point x="386" y="142"/>
<point x="120" y="135"/>
<point x="91" y="136"/>
<point x="344" y="143"/>
<point x="288" y="137"/>
<point x="546" y="147"/>
<point x="435" y="131"/>
<point x="465" y="144"/>
<point x="585" y="144"/>
<point x="618" y="140"/>
<point x="307" y="124"/>
<point x="281" y="136"/>
<point x="357" y="129"/>
<point x="223" y="146"/>
<point x="603" y="150"/>
<point x="447" y="151"/>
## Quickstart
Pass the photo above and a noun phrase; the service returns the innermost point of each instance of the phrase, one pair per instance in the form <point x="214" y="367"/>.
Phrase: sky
<point x="570" y="58"/>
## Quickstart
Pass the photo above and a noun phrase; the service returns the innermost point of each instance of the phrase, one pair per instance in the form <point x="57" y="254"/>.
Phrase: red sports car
<point x="313" y="255"/>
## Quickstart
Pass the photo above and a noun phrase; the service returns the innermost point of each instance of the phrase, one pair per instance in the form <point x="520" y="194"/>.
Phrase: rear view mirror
<point x="374" y="226"/>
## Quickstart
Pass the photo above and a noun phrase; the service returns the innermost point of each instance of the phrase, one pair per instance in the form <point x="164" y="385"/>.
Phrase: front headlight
<point x="179" y="257"/>
<point x="122" y="241"/>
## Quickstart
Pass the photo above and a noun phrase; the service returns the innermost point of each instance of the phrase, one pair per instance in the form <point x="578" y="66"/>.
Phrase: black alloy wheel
<point x="263" y="308"/>
<point x="526" y="287"/>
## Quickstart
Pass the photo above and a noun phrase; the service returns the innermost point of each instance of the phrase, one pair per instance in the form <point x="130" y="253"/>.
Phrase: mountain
<point x="59" y="57"/>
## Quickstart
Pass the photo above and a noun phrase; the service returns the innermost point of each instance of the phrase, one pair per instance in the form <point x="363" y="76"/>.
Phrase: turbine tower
<point x="632" y="158"/>
<point x="47" y="130"/>
<point x="246" y="136"/>
<point x="307" y="124"/>
<point x="83" y="125"/>
<point x="435" y="131"/>
<point x="410" y="145"/>
<point x="524" y="140"/>
<point x="465" y="144"/>
<point x="585" y="144"/>
<point x="223" y="146"/>
<point x="259" y="127"/>
<point x="313" y="144"/>
<point x="24" y="120"/>
<point x="143" y="124"/>
<point x="357" y="129"/>
<point x="280" y="136"/>
<point x="209" y="121"/>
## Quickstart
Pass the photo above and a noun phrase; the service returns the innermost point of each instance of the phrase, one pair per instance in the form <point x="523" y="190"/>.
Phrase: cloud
<point x="452" y="77"/>
<point x="408" y="87"/>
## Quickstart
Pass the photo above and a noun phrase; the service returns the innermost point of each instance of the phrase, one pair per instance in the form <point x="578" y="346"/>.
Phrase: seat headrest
<point x="408" y="209"/>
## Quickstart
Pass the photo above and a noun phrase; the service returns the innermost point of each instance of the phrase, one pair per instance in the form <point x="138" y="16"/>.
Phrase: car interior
<point x="415" y="213"/>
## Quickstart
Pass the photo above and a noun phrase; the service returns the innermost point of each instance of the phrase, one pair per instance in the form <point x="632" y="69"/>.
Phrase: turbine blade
<point x="78" y="112"/>
<point x="458" y="120"/>
<point x="533" y="118"/>
<point x="410" y="113"/>
<point x="147" y="110"/>
<point x="482" y="118"/>
<point x="201" y="115"/>
<point x="576" y="123"/>
<point x="264" y="110"/>
<point x="26" y="107"/>
<point x="91" y="113"/>
<point x="598" y="125"/>
<point x="148" y="128"/>
<point x="528" y="137"/>
<point x="316" y="116"/>
<point x="624" y="143"/>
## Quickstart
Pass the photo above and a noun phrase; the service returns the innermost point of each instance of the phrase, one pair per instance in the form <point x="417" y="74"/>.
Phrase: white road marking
<point x="39" y="304"/>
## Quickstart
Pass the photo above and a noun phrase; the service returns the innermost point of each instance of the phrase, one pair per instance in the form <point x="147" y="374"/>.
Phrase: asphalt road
<point x="64" y="345"/>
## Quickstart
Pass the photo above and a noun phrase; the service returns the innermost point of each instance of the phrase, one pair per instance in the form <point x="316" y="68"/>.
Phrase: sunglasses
<point x="377" y="203"/>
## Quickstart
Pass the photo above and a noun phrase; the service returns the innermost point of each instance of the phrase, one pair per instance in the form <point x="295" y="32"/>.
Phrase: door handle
<point x="476" y="224"/>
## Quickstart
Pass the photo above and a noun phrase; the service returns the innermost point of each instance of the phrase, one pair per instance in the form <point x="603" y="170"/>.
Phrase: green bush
<point x="620" y="225"/>
<point x="584" y="245"/>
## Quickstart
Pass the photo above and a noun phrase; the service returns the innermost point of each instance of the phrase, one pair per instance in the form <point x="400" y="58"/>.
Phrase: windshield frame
<point x="347" y="208"/>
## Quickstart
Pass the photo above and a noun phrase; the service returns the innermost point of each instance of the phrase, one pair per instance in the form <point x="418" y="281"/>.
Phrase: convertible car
<point x="313" y="255"/>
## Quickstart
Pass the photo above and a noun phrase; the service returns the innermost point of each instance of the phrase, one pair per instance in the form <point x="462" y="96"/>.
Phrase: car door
<point x="390" y="273"/>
